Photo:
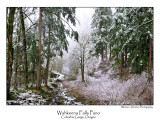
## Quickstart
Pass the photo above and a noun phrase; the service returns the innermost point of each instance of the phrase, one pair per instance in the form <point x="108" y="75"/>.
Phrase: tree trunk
<point x="125" y="57"/>
<point x="19" y="84"/>
<point x="24" y="49"/>
<point x="122" y="59"/>
<point x="20" y="78"/>
<point x="16" y="63"/>
<point x="110" y="53"/>
<point x="10" y="49"/>
<point x="33" y="79"/>
<point x="150" y="60"/>
<point x="82" y="65"/>
<point x="106" y="53"/>
<point x="102" y="54"/>
<point x="116" y="52"/>
<point x="122" y="63"/>
<point x="82" y="72"/>
<point x="15" y="78"/>
<point x="48" y="58"/>
<point x="33" y="72"/>
<point x="39" y="46"/>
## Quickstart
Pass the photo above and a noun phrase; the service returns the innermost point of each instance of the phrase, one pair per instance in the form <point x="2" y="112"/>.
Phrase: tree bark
<point x="10" y="49"/>
<point x="102" y="54"/>
<point x="122" y="59"/>
<point x="24" y="49"/>
<point x="48" y="58"/>
<point x="116" y="52"/>
<point x="33" y="72"/>
<point x="16" y="63"/>
<point x="150" y="60"/>
<point x="19" y="84"/>
<point x="82" y="65"/>
<point x="39" y="46"/>
<point x="122" y="63"/>
<point x="110" y="52"/>
<point x="82" y="70"/>
<point x="125" y="57"/>
<point x="20" y="78"/>
<point x="33" y="79"/>
<point x="106" y="53"/>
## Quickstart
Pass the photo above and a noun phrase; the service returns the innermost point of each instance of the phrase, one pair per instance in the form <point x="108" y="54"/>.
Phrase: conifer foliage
<point x="34" y="36"/>
<point x="37" y="37"/>
<point x="128" y="34"/>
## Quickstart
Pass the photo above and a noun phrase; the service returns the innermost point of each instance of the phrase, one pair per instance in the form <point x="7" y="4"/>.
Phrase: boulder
<point x="60" y="78"/>
<point x="45" y="88"/>
<point x="55" y="85"/>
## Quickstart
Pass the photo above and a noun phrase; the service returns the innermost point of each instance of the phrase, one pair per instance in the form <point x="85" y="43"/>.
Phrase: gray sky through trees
<point x="84" y="16"/>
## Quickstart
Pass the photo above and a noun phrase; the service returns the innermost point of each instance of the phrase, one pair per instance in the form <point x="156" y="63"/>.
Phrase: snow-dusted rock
<point x="10" y="102"/>
<point x="29" y="92"/>
<point x="30" y="99"/>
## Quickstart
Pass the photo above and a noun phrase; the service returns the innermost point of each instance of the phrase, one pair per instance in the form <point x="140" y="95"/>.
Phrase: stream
<point x="60" y="97"/>
<point x="63" y="95"/>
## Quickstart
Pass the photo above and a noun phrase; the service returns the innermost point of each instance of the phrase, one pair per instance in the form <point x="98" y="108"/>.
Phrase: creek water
<point x="62" y="94"/>
<point x="60" y="97"/>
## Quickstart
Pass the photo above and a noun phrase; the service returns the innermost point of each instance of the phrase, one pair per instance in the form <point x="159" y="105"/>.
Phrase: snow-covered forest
<point x="79" y="56"/>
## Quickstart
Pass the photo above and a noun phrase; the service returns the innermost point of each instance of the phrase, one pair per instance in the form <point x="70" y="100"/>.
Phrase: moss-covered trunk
<point x="48" y="58"/>
<point x="16" y="63"/>
<point x="10" y="48"/>
<point x="150" y="60"/>
<point x="39" y="46"/>
<point x="24" y="49"/>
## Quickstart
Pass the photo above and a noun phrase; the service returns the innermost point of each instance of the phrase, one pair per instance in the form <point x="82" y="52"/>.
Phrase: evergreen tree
<point x="130" y="35"/>
<point x="56" y="20"/>
<point x="10" y="48"/>
<point x="101" y="23"/>
<point x="39" y="47"/>
<point x="24" y="48"/>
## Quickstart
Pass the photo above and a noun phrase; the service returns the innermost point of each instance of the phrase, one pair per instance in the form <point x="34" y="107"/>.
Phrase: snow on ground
<point x="109" y="91"/>
<point x="27" y="98"/>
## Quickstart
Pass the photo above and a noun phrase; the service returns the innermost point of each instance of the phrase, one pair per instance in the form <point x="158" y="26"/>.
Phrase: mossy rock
<point x="21" y="90"/>
<point x="50" y="80"/>
<point x="35" y="91"/>
<point x="54" y="75"/>
<point x="45" y="88"/>
<point x="58" y="80"/>
<point x="44" y="95"/>
<point x="61" y="101"/>
<point x="55" y="85"/>
<point x="12" y="97"/>
<point x="32" y="88"/>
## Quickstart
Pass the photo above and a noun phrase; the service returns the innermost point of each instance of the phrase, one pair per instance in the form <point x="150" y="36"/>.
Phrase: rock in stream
<point x="60" y="97"/>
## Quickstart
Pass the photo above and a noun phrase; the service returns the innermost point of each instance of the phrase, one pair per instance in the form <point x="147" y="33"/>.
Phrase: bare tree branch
<point x="30" y="27"/>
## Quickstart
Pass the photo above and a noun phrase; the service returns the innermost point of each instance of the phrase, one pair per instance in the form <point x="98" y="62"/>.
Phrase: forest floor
<point x="45" y="96"/>
<point x="105" y="87"/>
